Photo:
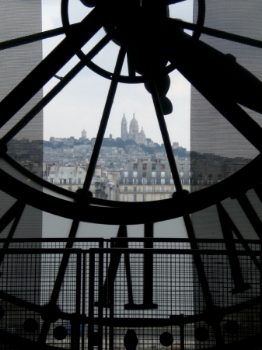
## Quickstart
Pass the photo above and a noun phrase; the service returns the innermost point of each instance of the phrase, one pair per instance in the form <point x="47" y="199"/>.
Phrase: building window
<point x="144" y="174"/>
<point x="153" y="167"/>
<point x="163" y="174"/>
<point x="153" y="189"/>
<point x="61" y="181"/>
<point x="162" y="189"/>
<point x="79" y="181"/>
<point x="181" y="173"/>
<point x="153" y="174"/>
<point x="51" y="180"/>
<point x="163" y="166"/>
<point x="182" y="180"/>
<point x="135" y="198"/>
<point x="144" y="197"/>
<point x="135" y="166"/>
<point x="134" y="189"/>
<point x="162" y="196"/>
<point x="171" y="181"/>
<point x="144" y="181"/>
<point x="134" y="173"/>
<point x="153" y="197"/>
<point x="135" y="181"/>
<point x="125" y="173"/>
<point x="153" y="181"/>
<point x="163" y="181"/>
<point x="70" y="188"/>
<point x="125" y="181"/>
<point x="144" y="166"/>
<point x="125" y="197"/>
<point x="172" y="189"/>
<point x="125" y="189"/>
<point x="144" y="189"/>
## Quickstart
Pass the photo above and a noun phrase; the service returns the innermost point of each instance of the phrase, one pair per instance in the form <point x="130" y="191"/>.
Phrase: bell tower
<point x="124" y="135"/>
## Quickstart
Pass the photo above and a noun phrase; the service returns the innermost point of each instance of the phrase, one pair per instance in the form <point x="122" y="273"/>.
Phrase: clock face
<point x="220" y="58"/>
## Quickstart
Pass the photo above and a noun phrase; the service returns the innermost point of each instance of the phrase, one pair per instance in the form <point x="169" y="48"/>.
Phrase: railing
<point x="112" y="293"/>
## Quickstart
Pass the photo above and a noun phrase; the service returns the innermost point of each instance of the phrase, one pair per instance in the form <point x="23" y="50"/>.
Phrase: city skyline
<point x="142" y="129"/>
<point x="80" y="105"/>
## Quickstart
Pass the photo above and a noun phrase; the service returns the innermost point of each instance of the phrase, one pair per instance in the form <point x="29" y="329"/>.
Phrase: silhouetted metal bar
<point x="229" y="224"/>
<point x="215" y="33"/>
<point x="258" y="190"/>
<point x="148" y="268"/>
<point x="91" y="299"/>
<point x="33" y="37"/>
<point x="59" y="280"/>
<point x="46" y="69"/>
<point x="112" y="271"/>
<point x="100" y="306"/>
<point x="78" y="324"/>
<point x="193" y="62"/>
<point x="52" y="93"/>
<point x="11" y="214"/>
<point x="104" y="120"/>
<point x="251" y="214"/>
<point x="111" y="307"/>
<point x="182" y="333"/>
<point x="187" y="219"/>
<point x="12" y="230"/>
<point x="240" y="285"/>
<point x="165" y="136"/>
<point x="83" y="296"/>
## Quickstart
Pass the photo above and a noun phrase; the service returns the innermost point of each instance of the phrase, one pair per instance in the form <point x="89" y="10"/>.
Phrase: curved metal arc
<point x="131" y="78"/>
<point x="175" y="23"/>
<point x="8" y="44"/>
<point x="51" y="94"/>
<point x="46" y="69"/>
<point x="217" y="192"/>
<point x="243" y="180"/>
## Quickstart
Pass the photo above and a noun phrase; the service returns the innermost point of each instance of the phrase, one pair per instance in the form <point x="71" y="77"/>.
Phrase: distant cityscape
<point x="130" y="168"/>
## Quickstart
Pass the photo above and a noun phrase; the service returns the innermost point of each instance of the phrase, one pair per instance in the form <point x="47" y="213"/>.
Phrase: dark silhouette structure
<point x="195" y="293"/>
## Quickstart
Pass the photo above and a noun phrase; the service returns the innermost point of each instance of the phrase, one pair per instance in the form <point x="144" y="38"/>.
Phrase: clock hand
<point x="222" y="81"/>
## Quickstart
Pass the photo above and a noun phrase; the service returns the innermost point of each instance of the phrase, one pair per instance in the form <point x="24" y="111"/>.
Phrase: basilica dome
<point x="134" y="125"/>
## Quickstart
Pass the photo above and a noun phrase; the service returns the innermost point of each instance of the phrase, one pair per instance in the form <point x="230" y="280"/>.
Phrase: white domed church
<point x="134" y="133"/>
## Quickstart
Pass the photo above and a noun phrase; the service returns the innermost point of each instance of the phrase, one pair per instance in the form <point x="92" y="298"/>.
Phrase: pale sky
<point x="80" y="105"/>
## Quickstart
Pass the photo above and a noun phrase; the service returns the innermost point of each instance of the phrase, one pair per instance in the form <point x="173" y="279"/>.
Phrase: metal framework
<point x="155" y="39"/>
<point x="100" y="299"/>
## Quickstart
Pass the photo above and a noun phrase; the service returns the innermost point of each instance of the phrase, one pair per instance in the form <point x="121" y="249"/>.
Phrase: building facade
<point x="150" y="178"/>
<point x="104" y="184"/>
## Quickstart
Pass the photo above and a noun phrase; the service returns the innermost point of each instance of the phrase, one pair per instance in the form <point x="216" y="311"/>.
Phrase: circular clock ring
<point x="89" y="209"/>
<point x="128" y="79"/>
